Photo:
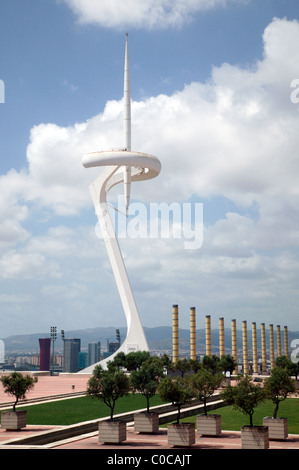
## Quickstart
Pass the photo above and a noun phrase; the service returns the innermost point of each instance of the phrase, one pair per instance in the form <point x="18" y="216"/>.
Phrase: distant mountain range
<point x="159" y="339"/>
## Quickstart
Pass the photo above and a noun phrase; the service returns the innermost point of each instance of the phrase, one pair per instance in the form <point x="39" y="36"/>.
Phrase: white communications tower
<point x="124" y="166"/>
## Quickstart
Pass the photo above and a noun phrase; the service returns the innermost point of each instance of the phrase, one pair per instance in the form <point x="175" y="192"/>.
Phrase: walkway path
<point x="227" y="440"/>
<point x="52" y="385"/>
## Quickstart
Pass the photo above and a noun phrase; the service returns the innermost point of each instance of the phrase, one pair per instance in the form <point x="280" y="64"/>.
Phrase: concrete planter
<point x="181" y="435"/>
<point x="277" y="427"/>
<point x="255" y="437"/>
<point x="146" y="422"/>
<point x="112" y="432"/>
<point x="208" y="425"/>
<point x="13" y="420"/>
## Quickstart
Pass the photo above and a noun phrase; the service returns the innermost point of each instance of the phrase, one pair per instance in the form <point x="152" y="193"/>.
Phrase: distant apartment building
<point x="94" y="353"/>
<point x="45" y="350"/>
<point x="33" y="360"/>
<point x="83" y="358"/>
<point x="71" y="352"/>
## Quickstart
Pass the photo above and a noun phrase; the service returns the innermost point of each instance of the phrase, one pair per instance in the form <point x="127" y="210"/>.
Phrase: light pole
<point x="53" y="338"/>
<point x="63" y="338"/>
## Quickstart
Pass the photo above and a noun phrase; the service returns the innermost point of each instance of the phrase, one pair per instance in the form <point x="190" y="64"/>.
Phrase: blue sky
<point x="211" y="88"/>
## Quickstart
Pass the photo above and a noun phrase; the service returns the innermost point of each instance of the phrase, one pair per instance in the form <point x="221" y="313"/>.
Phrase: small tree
<point x="211" y="363"/>
<point x="135" y="359"/>
<point x="108" y="386"/>
<point x="227" y="364"/>
<point x="176" y="390"/>
<point x="244" y="396"/>
<point x="286" y="363"/>
<point x="181" y="365"/>
<point x="146" y="379"/>
<point x="18" y="385"/>
<point x="119" y="361"/>
<point x="131" y="361"/>
<point x="278" y="386"/>
<point x="204" y="384"/>
<point x="194" y="366"/>
<point x="166" y="361"/>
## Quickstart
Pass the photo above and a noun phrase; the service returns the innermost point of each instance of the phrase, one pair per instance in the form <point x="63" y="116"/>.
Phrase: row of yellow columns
<point x="175" y="339"/>
<point x="263" y="344"/>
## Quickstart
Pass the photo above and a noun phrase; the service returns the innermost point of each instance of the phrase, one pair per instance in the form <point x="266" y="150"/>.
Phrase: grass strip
<point x="76" y="410"/>
<point x="233" y="420"/>
<point x="80" y="409"/>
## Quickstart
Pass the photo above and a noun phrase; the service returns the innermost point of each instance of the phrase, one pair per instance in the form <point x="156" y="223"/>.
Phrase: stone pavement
<point x="227" y="440"/>
<point x="52" y="385"/>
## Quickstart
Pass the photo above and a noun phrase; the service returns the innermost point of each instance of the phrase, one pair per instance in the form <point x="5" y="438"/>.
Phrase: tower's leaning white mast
<point x="127" y="126"/>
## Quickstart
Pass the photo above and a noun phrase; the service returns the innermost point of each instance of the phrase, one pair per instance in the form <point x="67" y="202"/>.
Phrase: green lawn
<point x="76" y="410"/>
<point x="233" y="420"/>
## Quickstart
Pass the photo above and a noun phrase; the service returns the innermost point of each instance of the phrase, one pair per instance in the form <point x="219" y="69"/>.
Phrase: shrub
<point x="18" y="385"/>
<point x="108" y="386"/>
<point x="245" y="396"/>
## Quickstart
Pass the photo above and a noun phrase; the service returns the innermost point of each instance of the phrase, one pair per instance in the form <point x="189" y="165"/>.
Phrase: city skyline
<point x="214" y="96"/>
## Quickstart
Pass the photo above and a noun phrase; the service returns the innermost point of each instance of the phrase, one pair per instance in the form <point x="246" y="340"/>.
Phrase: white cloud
<point x="141" y="14"/>
<point x="229" y="136"/>
<point x="22" y="265"/>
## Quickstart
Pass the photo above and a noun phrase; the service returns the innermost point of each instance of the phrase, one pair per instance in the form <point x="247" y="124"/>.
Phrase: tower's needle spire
<point x="127" y="126"/>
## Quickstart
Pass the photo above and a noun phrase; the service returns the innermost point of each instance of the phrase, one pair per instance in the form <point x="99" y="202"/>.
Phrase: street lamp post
<point x="63" y="338"/>
<point x="53" y="338"/>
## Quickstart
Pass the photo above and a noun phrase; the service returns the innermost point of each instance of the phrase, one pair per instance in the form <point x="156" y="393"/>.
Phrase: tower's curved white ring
<point x="149" y="165"/>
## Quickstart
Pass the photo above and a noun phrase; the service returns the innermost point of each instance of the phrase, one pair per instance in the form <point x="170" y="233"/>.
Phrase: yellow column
<point x="175" y="333"/>
<point x="234" y="343"/>
<point x="278" y="340"/>
<point x="286" y="342"/>
<point x="264" y="354"/>
<point x="221" y="337"/>
<point x="245" y="349"/>
<point x="208" y="336"/>
<point x="272" y="359"/>
<point x="254" y="349"/>
<point x="192" y="334"/>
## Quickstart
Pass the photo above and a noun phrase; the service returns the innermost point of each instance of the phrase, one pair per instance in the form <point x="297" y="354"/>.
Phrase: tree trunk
<point x="179" y="414"/>
<point x="275" y="410"/>
<point x="14" y="405"/>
